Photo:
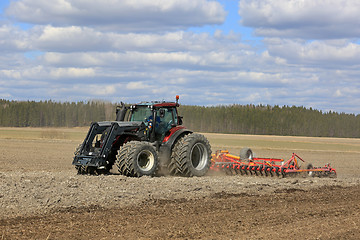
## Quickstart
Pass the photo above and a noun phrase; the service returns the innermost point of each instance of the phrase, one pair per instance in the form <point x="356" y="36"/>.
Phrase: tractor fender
<point x="168" y="143"/>
<point x="175" y="133"/>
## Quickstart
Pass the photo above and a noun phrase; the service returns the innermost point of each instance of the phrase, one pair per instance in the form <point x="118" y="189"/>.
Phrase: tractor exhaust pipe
<point x="120" y="112"/>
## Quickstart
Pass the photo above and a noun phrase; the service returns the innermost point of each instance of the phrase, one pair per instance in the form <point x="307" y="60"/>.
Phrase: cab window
<point x="140" y="114"/>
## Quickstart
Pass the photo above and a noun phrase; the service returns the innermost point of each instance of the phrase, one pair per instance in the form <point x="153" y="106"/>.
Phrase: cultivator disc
<point x="267" y="167"/>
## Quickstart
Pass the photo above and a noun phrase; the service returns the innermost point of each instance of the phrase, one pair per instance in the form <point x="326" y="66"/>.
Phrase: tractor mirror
<point x="162" y="113"/>
<point x="180" y="121"/>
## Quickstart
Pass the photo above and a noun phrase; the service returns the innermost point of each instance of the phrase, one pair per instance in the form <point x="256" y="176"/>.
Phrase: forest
<point x="235" y="119"/>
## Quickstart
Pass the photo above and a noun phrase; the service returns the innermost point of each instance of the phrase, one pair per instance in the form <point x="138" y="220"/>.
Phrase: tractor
<point x="146" y="139"/>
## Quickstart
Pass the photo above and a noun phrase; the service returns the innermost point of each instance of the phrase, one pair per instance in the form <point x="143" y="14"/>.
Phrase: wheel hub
<point x="145" y="160"/>
<point x="198" y="156"/>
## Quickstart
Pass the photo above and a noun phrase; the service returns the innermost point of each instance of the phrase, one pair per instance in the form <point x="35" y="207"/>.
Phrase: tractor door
<point x="167" y="118"/>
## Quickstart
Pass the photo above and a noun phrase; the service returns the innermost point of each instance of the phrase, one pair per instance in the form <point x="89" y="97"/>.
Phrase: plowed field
<point x="42" y="197"/>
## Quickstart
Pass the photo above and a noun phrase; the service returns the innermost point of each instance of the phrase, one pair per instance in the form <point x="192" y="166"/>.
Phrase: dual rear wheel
<point x="191" y="156"/>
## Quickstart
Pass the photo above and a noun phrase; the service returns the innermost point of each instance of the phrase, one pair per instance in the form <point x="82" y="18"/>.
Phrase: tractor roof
<point x="158" y="104"/>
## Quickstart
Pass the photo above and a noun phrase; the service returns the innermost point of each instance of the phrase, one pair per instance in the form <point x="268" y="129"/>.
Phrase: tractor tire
<point x="79" y="169"/>
<point x="246" y="153"/>
<point x="120" y="161"/>
<point x="191" y="156"/>
<point x="136" y="159"/>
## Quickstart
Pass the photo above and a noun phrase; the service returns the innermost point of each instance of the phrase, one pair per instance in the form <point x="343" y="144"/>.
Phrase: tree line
<point x="53" y="114"/>
<point x="271" y="120"/>
<point x="237" y="119"/>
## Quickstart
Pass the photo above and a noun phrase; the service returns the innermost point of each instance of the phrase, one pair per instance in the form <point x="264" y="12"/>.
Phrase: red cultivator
<point x="248" y="165"/>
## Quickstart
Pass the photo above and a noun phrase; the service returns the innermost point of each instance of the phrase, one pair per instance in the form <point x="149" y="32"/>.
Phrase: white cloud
<point x="67" y="39"/>
<point x="72" y="72"/>
<point x="75" y="39"/>
<point x="309" y="19"/>
<point x="40" y="73"/>
<point x="104" y="90"/>
<point x="13" y="39"/>
<point x="12" y="74"/>
<point x="145" y="60"/>
<point x="325" y="53"/>
<point x="338" y="93"/>
<point x="136" y="85"/>
<point x="84" y="91"/>
<point x="123" y="15"/>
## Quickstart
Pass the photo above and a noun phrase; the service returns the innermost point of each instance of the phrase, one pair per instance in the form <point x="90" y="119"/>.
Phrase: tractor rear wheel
<point x="136" y="159"/>
<point x="191" y="156"/>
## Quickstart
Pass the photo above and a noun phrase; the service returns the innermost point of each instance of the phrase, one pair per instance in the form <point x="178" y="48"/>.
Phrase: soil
<point x="42" y="197"/>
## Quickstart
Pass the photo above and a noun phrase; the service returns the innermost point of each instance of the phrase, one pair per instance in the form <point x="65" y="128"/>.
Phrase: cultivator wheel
<point x="246" y="153"/>
<point x="310" y="173"/>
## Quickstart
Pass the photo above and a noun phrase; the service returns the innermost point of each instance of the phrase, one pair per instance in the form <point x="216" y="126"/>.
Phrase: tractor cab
<point x="158" y="117"/>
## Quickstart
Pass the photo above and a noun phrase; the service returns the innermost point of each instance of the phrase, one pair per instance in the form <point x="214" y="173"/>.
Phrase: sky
<point x="270" y="52"/>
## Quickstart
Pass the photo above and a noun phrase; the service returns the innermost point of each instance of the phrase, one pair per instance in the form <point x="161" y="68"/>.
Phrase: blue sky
<point x="276" y="52"/>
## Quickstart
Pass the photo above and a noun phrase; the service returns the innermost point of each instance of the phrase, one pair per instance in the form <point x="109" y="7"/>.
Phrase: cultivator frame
<point x="222" y="160"/>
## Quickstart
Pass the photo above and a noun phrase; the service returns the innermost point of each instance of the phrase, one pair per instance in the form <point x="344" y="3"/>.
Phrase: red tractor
<point x="146" y="139"/>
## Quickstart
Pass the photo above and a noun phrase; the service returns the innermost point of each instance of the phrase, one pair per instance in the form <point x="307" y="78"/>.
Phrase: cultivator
<point x="222" y="160"/>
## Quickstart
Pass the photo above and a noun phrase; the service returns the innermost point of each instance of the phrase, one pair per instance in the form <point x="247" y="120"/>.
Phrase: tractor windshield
<point x="166" y="118"/>
<point x="141" y="114"/>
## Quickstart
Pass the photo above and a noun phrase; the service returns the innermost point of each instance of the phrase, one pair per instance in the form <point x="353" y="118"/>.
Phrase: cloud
<point x="12" y="74"/>
<point x="72" y="72"/>
<point x="328" y="54"/>
<point x="136" y="85"/>
<point x="76" y="39"/>
<point x="338" y="93"/>
<point x="307" y="19"/>
<point x="123" y="15"/>
<point x="67" y="39"/>
<point x="40" y="73"/>
<point x="13" y="39"/>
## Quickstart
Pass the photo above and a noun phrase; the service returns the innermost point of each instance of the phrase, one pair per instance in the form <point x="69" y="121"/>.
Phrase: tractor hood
<point x="120" y="123"/>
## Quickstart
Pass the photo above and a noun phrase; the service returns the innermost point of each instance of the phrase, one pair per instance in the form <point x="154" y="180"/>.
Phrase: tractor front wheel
<point x="136" y="159"/>
<point x="79" y="169"/>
